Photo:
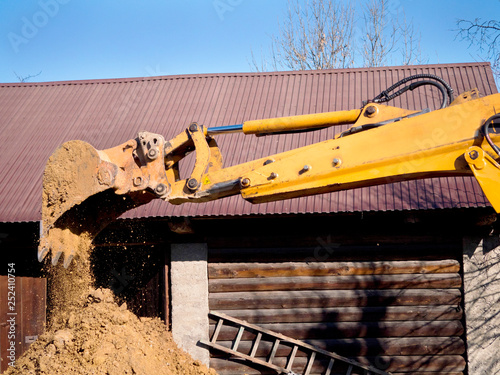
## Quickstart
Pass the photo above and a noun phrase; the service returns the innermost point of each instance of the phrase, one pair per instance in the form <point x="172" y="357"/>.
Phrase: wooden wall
<point x="397" y="307"/>
<point x="28" y="312"/>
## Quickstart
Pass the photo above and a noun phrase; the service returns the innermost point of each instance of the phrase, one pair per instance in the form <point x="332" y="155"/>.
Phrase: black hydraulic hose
<point x="441" y="88"/>
<point x="441" y="84"/>
<point x="486" y="132"/>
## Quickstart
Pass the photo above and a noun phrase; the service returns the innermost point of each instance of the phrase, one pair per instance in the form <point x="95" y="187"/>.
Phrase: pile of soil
<point x="103" y="338"/>
<point x="88" y="332"/>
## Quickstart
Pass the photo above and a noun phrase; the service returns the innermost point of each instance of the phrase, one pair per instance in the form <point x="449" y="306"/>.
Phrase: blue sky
<point x="77" y="39"/>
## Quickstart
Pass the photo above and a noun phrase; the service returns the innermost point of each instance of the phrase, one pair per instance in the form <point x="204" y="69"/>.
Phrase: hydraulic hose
<point x="486" y="132"/>
<point x="425" y="79"/>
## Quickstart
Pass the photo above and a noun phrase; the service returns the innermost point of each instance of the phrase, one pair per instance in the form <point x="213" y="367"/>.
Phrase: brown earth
<point x="88" y="332"/>
<point x="103" y="338"/>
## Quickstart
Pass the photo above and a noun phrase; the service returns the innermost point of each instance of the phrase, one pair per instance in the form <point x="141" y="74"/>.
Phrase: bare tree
<point x="387" y="34"/>
<point x="325" y="34"/>
<point x="486" y="35"/>
<point x="317" y="34"/>
<point x="379" y="40"/>
<point x="410" y="50"/>
<point x="28" y="77"/>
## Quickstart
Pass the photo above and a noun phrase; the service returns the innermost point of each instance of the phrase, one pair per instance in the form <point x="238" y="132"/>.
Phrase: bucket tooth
<point x="56" y="256"/>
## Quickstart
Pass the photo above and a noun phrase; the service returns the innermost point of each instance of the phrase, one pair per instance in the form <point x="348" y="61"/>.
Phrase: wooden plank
<point x="404" y="281"/>
<point x="238" y="270"/>
<point x="166" y="291"/>
<point x="403" y="364"/>
<point x="367" y="346"/>
<point x="257" y="361"/>
<point x="333" y="298"/>
<point x="441" y="364"/>
<point x="4" y="326"/>
<point x="238" y="338"/>
<point x="287" y="247"/>
<point x="273" y="350"/>
<point x="33" y="304"/>
<point x="217" y="329"/>
<point x="255" y="344"/>
<point x="341" y="253"/>
<point x="347" y="314"/>
<point x="291" y="358"/>
<point x="330" y="366"/>
<point x="354" y="329"/>
<point x="30" y="298"/>
<point x="310" y="362"/>
<point x="235" y="366"/>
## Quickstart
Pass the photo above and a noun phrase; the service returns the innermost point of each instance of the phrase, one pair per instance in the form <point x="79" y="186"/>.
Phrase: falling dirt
<point x="88" y="332"/>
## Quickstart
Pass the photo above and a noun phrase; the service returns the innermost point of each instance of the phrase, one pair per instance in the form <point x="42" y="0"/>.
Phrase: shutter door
<point x="398" y="312"/>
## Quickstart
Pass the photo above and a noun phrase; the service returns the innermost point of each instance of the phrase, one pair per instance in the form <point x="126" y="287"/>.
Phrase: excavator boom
<point x="85" y="189"/>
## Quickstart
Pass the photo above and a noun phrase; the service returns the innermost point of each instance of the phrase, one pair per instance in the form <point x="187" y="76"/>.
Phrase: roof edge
<point x="238" y="74"/>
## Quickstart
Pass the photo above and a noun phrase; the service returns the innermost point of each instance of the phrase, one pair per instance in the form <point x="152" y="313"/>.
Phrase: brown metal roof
<point x="36" y="118"/>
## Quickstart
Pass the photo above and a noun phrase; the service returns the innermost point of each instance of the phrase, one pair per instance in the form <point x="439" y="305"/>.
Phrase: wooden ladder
<point x="279" y="339"/>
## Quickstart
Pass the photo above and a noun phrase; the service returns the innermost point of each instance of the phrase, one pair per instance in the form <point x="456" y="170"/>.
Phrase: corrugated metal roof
<point x="36" y="118"/>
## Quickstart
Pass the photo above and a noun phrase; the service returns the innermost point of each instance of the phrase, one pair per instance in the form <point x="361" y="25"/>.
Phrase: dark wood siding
<point x="30" y="314"/>
<point x="400" y="311"/>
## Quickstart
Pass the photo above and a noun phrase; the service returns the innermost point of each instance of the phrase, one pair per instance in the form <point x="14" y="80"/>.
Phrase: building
<point x="399" y="275"/>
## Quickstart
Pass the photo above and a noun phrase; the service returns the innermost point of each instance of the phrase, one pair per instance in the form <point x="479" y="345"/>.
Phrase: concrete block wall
<point x="481" y="260"/>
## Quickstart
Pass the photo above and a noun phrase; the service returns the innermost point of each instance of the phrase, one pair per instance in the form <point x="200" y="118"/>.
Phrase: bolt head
<point x="245" y="182"/>
<point x="192" y="183"/>
<point x="371" y="111"/>
<point x="273" y="175"/>
<point x="161" y="189"/>
<point x="152" y="153"/>
<point x="193" y="127"/>
<point x="137" y="181"/>
<point x="474" y="155"/>
<point x="336" y="162"/>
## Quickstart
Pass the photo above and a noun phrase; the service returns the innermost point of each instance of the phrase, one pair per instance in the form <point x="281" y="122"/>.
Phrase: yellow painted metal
<point x="428" y="145"/>
<point x="301" y="122"/>
<point x="445" y="142"/>
<point x="198" y="139"/>
<point x="373" y="113"/>
<point x="487" y="172"/>
<point x="466" y="96"/>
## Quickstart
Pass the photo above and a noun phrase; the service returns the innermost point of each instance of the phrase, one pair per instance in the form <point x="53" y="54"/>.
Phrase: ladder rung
<point x="273" y="351"/>
<point x="217" y="330"/>
<point x="330" y="366"/>
<point x="310" y="363"/>
<point x="258" y="361"/>
<point x="292" y="357"/>
<point x="238" y="338"/>
<point x="256" y="344"/>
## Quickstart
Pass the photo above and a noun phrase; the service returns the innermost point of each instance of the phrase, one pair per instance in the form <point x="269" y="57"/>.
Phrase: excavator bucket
<point x="85" y="189"/>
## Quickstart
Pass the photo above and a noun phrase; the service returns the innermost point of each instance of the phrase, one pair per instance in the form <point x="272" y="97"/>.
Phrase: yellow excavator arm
<point x="85" y="189"/>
